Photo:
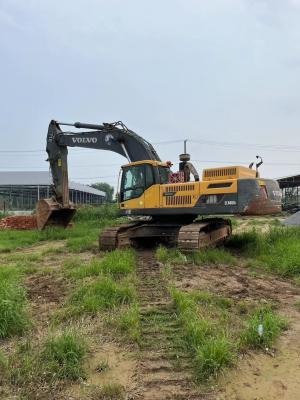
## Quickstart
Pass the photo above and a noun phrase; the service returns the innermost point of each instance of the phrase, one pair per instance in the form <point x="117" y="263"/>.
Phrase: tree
<point x="106" y="188"/>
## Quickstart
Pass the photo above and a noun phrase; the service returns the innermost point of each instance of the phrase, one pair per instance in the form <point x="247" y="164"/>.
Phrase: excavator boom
<point x="114" y="137"/>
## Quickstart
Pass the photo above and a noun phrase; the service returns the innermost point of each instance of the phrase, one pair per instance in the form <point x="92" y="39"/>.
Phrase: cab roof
<point x="152" y="162"/>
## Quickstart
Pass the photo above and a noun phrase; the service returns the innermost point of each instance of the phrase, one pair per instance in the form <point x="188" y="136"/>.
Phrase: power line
<point x="266" y="147"/>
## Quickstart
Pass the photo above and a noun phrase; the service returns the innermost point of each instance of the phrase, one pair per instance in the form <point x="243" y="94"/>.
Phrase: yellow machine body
<point x="226" y="190"/>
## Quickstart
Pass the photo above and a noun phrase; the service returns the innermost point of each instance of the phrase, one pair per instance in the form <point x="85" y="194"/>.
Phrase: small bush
<point x="63" y="357"/>
<point x="272" y="327"/>
<point x="213" y="355"/>
<point x="212" y="256"/>
<point x="170" y="256"/>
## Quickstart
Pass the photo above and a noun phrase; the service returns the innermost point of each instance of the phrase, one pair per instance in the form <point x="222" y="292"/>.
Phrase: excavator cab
<point x="139" y="176"/>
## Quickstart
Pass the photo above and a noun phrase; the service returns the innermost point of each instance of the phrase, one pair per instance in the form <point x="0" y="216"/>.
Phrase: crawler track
<point x="194" y="236"/>
<point x="164" y="370"/>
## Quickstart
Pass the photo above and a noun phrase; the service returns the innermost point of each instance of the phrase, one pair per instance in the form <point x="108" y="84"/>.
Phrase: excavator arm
<point x="115" y="137"/>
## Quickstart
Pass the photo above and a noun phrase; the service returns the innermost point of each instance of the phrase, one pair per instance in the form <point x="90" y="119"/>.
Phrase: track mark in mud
<point x="164" y="367"/>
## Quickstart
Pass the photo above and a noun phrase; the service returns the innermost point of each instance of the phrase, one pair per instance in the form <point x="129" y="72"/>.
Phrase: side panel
<point x="149" y="199"/>
<point x="137" y="203"/>
<point x="152" y="199"/>
<point x="179" y="195"/>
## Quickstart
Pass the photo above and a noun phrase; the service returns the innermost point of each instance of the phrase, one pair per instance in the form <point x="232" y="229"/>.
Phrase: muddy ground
<point x="158" y="369"/>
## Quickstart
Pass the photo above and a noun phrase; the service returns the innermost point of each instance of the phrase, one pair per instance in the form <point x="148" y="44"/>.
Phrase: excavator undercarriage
<point x="194" y="236"/>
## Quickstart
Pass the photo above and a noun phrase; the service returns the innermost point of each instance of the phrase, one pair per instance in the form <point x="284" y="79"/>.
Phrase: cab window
<point x="135" y="180"/>
<point x="164" y="173"/>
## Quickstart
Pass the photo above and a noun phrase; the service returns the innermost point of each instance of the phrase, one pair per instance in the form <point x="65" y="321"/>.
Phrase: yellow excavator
<point x="174" y="208"/>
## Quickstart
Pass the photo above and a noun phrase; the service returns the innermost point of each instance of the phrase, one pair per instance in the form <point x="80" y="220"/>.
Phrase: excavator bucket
<point x="51" y="213"/>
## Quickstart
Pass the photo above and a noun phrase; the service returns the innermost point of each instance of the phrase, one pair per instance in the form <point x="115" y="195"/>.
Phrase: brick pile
<point x="19" y="222"/>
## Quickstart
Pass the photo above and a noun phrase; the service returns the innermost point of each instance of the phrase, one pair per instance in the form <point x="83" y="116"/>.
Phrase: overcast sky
<point x="225" y="71"/>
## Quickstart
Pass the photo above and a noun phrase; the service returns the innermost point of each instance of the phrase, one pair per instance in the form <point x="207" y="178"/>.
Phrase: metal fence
<point x="24" y="197"/>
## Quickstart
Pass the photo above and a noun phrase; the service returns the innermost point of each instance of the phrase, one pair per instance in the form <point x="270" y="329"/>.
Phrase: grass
<point x="111" y="391"/>
<point x="35" y="368"/>
<point x="2" y="215"/>
<point x="102" y="294"/>
<point x="92" y="213"/>
<point x="277" y="250"/>
<point x="209" y="345"/>
<point x="212" y="256"/>
<point x="204" y="256"/>
<point x="116" y="264"/>
<point x="14" y="318"/>
<point x="119" y="263"/>
<point x="102" y="366"/>
<point x="272" y="324"/>
<point x="213" y="355"/>
<point x="63" y="356"/>
<point x="83" y="236"/>
<point x="129" y="324"/>
<point x="170" y="256"/>
<point x="215" y="330"/>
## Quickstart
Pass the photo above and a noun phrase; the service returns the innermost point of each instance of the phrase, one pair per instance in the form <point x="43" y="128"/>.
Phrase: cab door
<point x="151" y="198"/>
<point x="133" y="187"/>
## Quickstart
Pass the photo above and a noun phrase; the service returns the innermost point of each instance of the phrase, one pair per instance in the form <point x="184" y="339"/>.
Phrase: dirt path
<point x="163" y="370"/>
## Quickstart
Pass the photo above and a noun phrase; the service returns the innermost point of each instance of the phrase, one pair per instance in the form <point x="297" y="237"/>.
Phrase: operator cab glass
<point x="137" y="178"/>
<point x="164" y="173"/>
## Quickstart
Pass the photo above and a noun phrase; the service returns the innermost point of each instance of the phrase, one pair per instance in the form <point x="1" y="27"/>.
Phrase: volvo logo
<point x="109" y="138"/>
<point x="84" y="140"/>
